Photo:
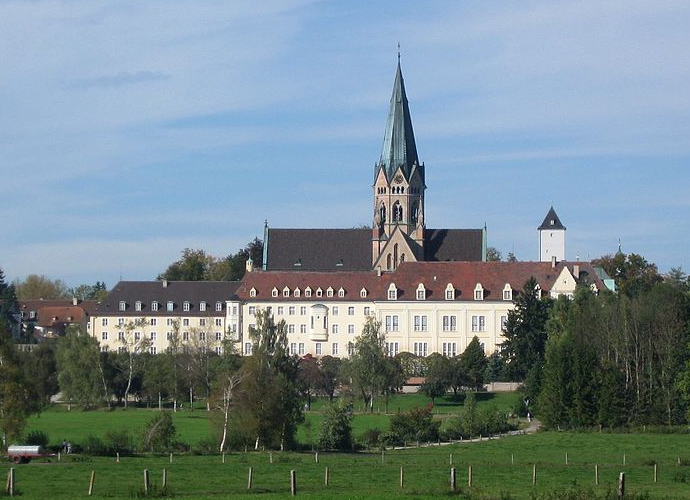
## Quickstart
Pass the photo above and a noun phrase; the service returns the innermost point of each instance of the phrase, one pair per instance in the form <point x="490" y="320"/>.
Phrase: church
<point x="432" y="290"/>
<point x="398" y="233"/>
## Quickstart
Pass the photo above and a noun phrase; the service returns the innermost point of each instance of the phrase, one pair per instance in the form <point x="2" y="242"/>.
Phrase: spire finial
<point x="398" y="52"/>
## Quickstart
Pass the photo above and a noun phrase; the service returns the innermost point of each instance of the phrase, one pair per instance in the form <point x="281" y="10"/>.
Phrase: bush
<point x="336" y="430"/>
<point x="205" y="446"/>
<point x="415" y="425"/>
<point x="37" y="438"/>
<point x="371" y="438"/>
<point x="119" y="441"/>
<point x="159" y="433"/>
<point x="93" y="445"/>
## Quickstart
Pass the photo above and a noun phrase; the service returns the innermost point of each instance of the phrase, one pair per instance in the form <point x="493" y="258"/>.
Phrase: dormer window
<point x="319" y="292"/>
<point x="202" y="306"/>
<point x="537" y="291"/>
<point x="341" y="292"/>
<point x="329" y="292"/>
<point x="154" y="306"/>
<point x="186" y="306"/>
<point x="296" y="292"/>
<point x="252" y="292"/>
<point x="274" y="292"/>
<point x="421" y="292"/>
<point x="450" y="292"/>
<point x="219" y="306"/>
<point x="286" y="292"/>
<point x="122" y="306"/>
<point x="478" y="292"/>
<point x="507" y="292"/>
<point x="170" y="306"/>
<point x="307" y="292"/>
<point x="392" y="292"/>
<point x="137" y="305"/>
<point x="363" y="293"/>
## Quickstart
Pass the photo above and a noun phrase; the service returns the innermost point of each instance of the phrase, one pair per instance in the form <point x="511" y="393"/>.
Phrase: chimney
<point x="576" y="271"/>
<point x="553" y="261"/>
<point x="378" y="271"/>
<point x="165" y="283"/>
<point x="75" y="301"/>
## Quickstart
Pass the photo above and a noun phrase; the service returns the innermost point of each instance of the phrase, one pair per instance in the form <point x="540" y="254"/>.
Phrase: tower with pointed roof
<point x="551" y="238"/>
<point x="398" y="227"/>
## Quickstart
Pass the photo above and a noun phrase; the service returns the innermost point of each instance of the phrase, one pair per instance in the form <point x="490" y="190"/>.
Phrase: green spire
<point x="399" y="148"/>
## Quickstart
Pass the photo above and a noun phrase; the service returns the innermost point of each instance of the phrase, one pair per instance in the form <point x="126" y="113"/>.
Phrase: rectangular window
<point x="202" y="321"/>
<point x="202" y="306"/>
<point x="154" y="306"/>
<point x="202" y="336"/>
<point x="120" y="335"/>
<point x="291" y="328"/>
<point x="334" y="349"/>
<point x="420" y="323"/>
<point x="219" y="322"/>
<point x="219" y="350"/>
<point x="450" y="349"/>
<point x="421" y="294"/>
<point x="104" y="322"/>
<point x="168" y="335"/>
<point x="351" y="311"/>
<point x="154" y="322"/>
<point x="170" y="306"/>
<point x="421" y="349"/>
<point x="392" y="294"/>
<point x="152" y="349"/>
<point x="300" y="348"/>
<point x="186" y="306"/>
<point x="219" y="336"/>
<point x="293" y="348"/>
<point x="104" y="348"/>
<point x="219" y="306"/>
<point x="450" y="294"/>
<point x="234" y="310"/>
<point x="123" y="305"/>
<point x="392" y="323"/>
<point x="185" y="322"/>
<point x="351" y="329"/>
<point x="334" y="310"/>
<point x="247" y="348"/>
<point x="367" y="311"/>
<point x="280" y="310"/>
<point x="334" y="328"/>
<point x="478" y="323"/>
<point x="317" y="348"/>
<point x="303" y="328"/>
<point x="137" y="305"/>
<point x="504" y="321"/>
<point x="392" y="348"/>
<point x="303" y="311"/>
<point x="449" y="323"/>
<point x="153" y="335"/>
<point x="185" y="336"/>
<point x="104" y="336"/>
<point x="507" y="295"/>
<point x="120" y="321"/>
<point x="137" y="336"/>
<point x="252" y="310"/>
<point x="291" y="310"/>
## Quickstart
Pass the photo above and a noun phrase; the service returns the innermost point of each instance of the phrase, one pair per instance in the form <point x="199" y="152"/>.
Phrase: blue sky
<point x="131" y="130"/>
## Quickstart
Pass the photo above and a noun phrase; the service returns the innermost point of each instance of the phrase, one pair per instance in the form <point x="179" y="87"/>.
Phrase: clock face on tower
<point x="398" y="179"/>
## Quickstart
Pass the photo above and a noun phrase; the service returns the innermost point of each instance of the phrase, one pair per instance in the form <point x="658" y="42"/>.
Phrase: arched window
<point x="388" y="262"/>
<point x="397" y="212"/>
<point x="402" y="258"/>
<point x="402" y="190"/>
<point x="395" y="255"/>
<point x="382" y="213"/>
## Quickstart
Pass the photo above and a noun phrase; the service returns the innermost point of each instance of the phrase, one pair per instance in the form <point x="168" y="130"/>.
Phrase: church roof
<point x="351" y="249"/>
<point x="399" y="148"/>
<point x="551" y="221"/>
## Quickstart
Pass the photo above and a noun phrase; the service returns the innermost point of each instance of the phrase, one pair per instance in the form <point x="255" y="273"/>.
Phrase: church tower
<point x="398" y="228"/>
<point x="551" y="238"/>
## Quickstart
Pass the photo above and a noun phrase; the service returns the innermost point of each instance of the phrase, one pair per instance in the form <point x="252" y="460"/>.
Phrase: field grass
<point x="193" y="426"/>
<point x="365" y="475"/>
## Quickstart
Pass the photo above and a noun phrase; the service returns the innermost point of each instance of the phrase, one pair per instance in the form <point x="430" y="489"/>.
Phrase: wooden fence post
<point x="170" y="459"/>
<point x="469" y="476"/>
<point x="623" y="459"/>
<point x="117" y="457"/>
<point x="383" y="457"/>
<point x="512" y="459"/>
<point x="566" y="458"/>
<point x="249" y="478"/>
<point x="596" y="474"/>
<point x="223" y="459"/>
<point x="325" y="477"/>
<point x="59" y="456"/>
<point x="451" y="459"/>
<point x="621" y="485"/>
<point x="91" y="481"/>
<point x="165" y="478"/>
<point x="293" y="483"/>
<point x="316" y="457"/>
<point x="270" y="457"/>
<point x="655" y="473"/>
<point x="534" y="475"/>
<point x="453" y="483"/>
<point x="11" y="482"/>
<point x="402" y="477"/>
<point x="147" y="482"/>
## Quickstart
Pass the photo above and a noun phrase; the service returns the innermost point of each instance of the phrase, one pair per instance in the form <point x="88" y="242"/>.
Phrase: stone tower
<point x="551" y="238"/>
<point x="398" y="227"/>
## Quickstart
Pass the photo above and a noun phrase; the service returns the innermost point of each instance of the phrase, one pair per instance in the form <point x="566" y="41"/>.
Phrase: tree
<point x="17" y="400"/>
<point x="36" y="286"/>
<point x="511" y="257"/>
<point x="331" y="369"/>
<point x="473" y="364"/>
<point x="268" y="396"/>
<point x="225" y="386"/>
<point x="40" y="367"/>
<point x="336" y="428"/>
<point x="133" y="342"/>
<point x="310" y="377"/>
<point x="438" y="374"/>
<point x="495" y="368"/>
<point x="78" y="363"/>
<point x="97" y="291"/>
<point x="159" y="433"/>
<point x="526" y="331"/>
<point x="493" y="254"/>
<point x="632" y="273"/>
<point x="368" y="368"/>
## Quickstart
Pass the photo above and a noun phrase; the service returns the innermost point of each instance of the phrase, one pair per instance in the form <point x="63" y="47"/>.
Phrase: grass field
<point x="365" y="475"/>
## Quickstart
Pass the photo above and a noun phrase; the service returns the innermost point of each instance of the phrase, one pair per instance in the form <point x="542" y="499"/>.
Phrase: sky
<point x="131" y="130"/>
